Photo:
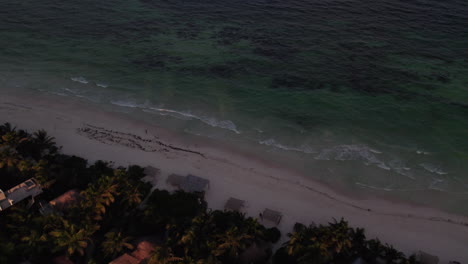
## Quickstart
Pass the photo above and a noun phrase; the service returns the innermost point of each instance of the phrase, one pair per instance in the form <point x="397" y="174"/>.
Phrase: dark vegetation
<point x="117" y="209"/>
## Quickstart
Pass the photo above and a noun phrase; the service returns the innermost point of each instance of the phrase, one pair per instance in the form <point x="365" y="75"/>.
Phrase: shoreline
<point x="232" y="174"/>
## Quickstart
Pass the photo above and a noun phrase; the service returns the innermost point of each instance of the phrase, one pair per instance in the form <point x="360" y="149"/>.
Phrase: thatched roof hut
<point x="271" y="215"/>
<point x="151" y="171"/>
<point x="234" y="204"/>
<point x="175" y="180"/>
<point x="194" y="183"/>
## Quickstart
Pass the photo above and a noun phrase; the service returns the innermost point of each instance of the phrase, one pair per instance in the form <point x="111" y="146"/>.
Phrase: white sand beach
<point x="94" y="134"/>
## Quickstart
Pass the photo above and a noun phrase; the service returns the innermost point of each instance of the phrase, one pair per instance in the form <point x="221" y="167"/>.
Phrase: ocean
<point x="371" y="96"/>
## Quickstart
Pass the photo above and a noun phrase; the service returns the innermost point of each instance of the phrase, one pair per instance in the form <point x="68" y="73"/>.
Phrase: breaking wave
<point x="273" y="143"/>
<point x="352" y="152"/>
<point x="211" y="121"/>
<point x="80" y="80"/>
<point x="433" y="168"/>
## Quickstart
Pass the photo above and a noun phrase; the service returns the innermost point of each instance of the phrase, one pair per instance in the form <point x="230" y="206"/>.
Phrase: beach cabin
<point x="24" y="190"/>
<point x="234" y="205"/>
<point x="151" y="171"/>
<point x="189" y="183"/>
<point x="175" y="180"/>
<point x="194" y="183"/>
<point x="272" y="216"/>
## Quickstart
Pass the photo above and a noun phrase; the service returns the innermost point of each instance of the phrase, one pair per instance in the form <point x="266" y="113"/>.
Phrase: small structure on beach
<point x="234" y="204"/>
<point x="141" y="253"/>
<point x="151" y="171"/>
<point x="27" y="189"/>
<point x="175" y="180"/>
<point x="272" y="216"/>
<point x="189" y="183"/>
<point x="194" y="183"/>
<point x="425" y="258"/>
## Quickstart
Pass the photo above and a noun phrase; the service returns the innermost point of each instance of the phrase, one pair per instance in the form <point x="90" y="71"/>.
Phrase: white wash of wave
<point x="433" y="168"/>
<point x="374" y="187"/>
<point x="80" y="80"/>
<point x="271" y="142"/>
<point x="224" y="124"/>
<point x="399" y="167"/>
<point x="74" y="92"/>
<point x="365" y="154"/>
<point x="352" y="152"/>
<point x="126" y="104"/>
<point x="388" y="189"/>
<point x="422" y="152"/>
<point x="69" y="92"/>
<point x="435" y="185"/>
<point x="103" y="85"/>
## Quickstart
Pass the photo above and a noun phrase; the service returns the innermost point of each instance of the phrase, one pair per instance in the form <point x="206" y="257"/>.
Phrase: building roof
<point x="125" y="259"/>
<point x="271" y="215"/>
<point x="143" y="250"/>
<point x="66" y="200"/>
<point x="194" y="183"/>
<point x="28" y="188"/>
<point x="175" y="180"/>
<point x="234" y="204"/>
<point x="151" y="171"/>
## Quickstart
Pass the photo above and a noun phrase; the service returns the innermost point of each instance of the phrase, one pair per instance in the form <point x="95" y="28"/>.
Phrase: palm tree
<point x="71" y="238"/>
<point x="9" y="158"/>
<point x="392" y="255"/>
<point x="43" y="142"/>
<point x="163" y="255"/>
<point x="13" y="139"/>
<point x="131" y="197"/>
<point x="375" y="249"/>
<point x="99" y="196"/>
<point x="35" y="241"/>
<point x="115" y="243"/>
<point x="40" y="137"/>
<point x="6" y="128"/>
<point x="232" y="243"/>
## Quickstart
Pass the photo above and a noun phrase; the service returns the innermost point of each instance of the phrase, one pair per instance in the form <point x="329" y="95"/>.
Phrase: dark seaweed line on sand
<point x="89" y="129"/>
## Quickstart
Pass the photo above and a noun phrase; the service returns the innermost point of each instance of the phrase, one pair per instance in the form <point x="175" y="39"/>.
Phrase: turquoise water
<point x="373" y="95"/>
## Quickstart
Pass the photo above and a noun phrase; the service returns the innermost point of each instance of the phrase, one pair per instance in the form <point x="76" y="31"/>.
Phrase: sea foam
<point x="211" y="121"/>
<point x="271" y="142"/>
<point x="433" y="168"/>
<point x="80" y="80"/>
